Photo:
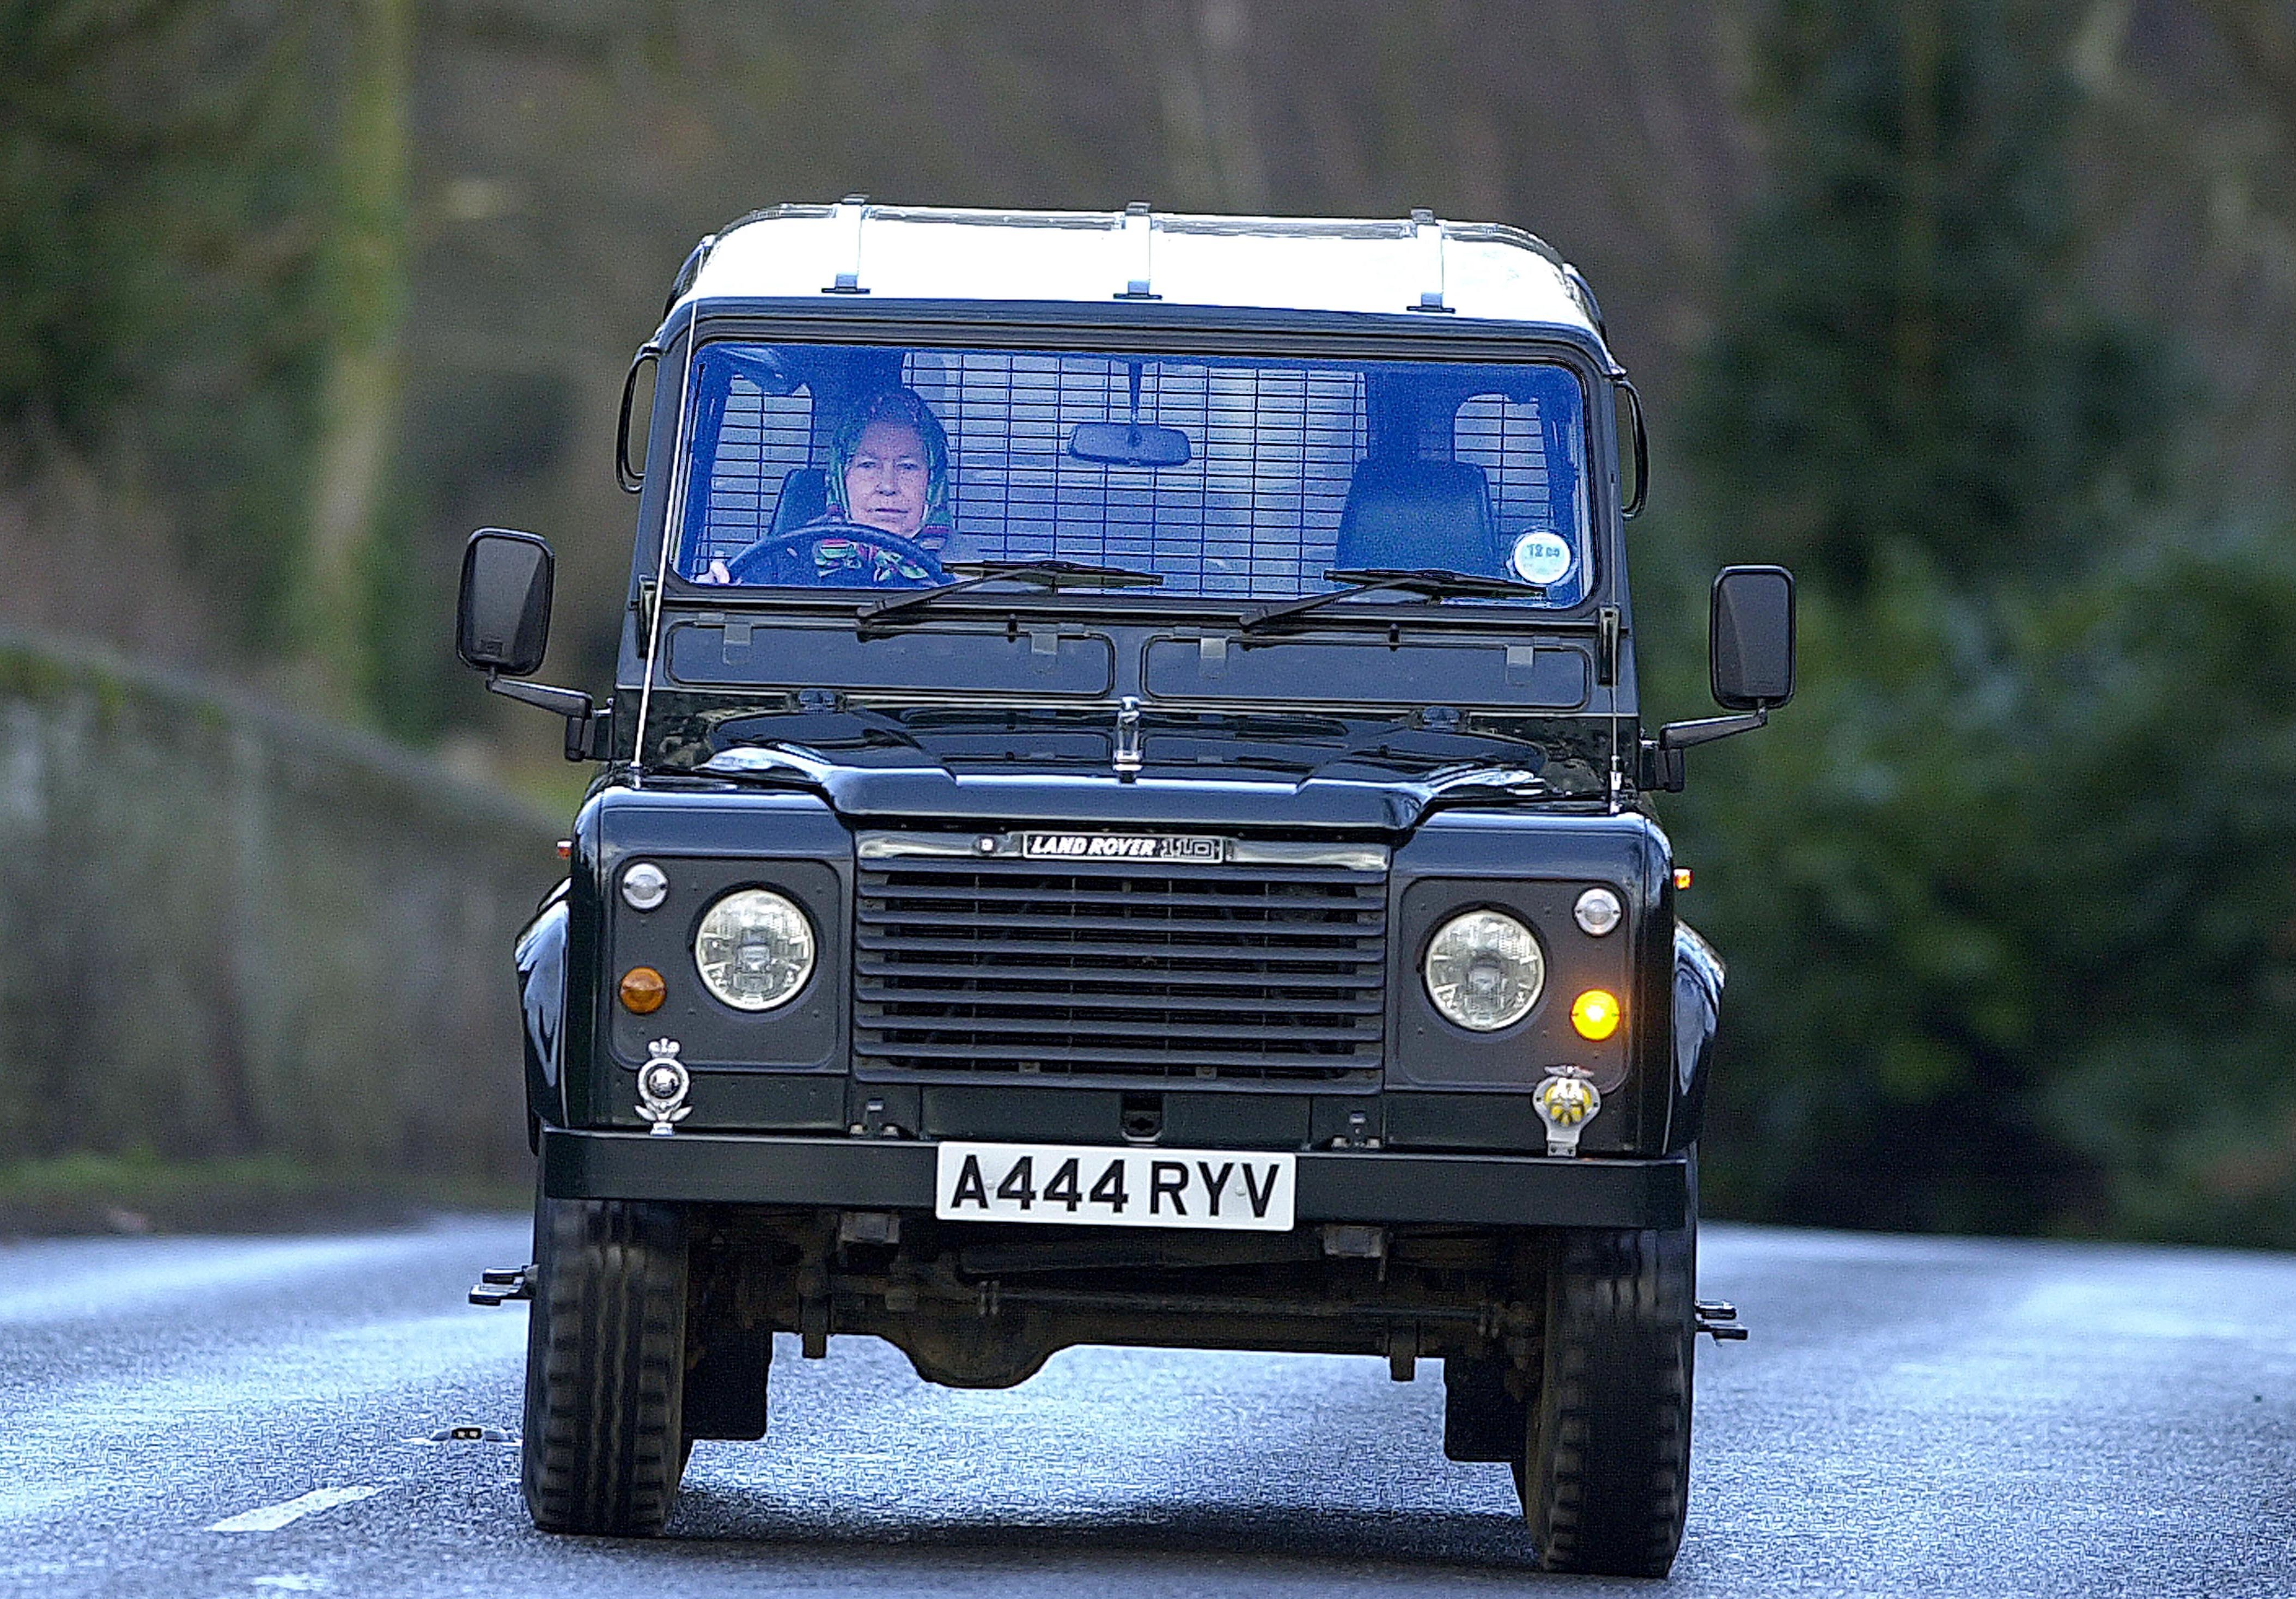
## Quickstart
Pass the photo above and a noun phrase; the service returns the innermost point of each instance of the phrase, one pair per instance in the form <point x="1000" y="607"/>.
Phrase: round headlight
<point x="1597" y="912"/>
<point x="1484" y="971"/>
<point x="755" y="949"/>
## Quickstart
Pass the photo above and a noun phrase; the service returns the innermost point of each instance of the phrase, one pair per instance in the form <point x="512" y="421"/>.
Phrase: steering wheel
<point x="776" y="558"/>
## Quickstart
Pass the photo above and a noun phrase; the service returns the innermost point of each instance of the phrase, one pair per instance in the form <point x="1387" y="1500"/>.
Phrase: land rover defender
<point x="1124" y="817"/>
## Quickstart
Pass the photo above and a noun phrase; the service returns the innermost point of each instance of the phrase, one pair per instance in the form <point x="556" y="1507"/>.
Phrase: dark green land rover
<point x="1124" y="818"/>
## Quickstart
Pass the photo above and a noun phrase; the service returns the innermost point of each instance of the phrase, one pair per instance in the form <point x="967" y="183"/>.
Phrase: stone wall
<point x="226" y="931"/>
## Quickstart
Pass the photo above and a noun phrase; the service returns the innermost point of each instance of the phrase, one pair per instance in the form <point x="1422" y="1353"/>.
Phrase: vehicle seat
<point x="804" y="497"/>
<point x="1408" y="513"/>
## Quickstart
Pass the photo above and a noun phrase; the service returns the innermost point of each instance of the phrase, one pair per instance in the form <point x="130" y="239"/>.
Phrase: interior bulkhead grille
<point x="1266" y="970"/>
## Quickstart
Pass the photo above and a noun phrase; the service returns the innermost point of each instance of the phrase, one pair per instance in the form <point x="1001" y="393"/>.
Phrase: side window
<point x="1528" y="456"/>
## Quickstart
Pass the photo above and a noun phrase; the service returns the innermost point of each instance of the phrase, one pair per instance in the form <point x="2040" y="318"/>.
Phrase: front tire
<point x="605" y="1366"/>
<point x="1606" y="1482"/>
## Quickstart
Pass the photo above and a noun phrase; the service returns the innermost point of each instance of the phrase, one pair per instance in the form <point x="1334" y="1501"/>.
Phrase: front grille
<point x="1125" y="970"/>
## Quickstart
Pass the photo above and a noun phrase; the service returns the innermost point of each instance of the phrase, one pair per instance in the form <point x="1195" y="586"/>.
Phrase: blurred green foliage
<point x="157" y="252"/>
<point x="2010" y="889"/>
<point x="1906" y="357"/>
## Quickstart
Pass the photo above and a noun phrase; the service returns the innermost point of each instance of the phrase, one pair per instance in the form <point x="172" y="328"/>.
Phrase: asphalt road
<point x="1912" y="1417"/>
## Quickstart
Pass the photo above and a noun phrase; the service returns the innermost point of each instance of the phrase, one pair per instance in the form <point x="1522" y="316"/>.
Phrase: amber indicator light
<point x="643" y="991"/>
<point x="1681" y="878"/>
<point x="1595" y="1014"/>
<point x="566" y="850"/>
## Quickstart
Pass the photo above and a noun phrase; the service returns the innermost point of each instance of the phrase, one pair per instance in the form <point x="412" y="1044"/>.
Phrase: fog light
<point x="645" y="886"/>
<point x="643" y="991"/>
<point x="1597" y="912"/>
<point x="1595" y="1014"/>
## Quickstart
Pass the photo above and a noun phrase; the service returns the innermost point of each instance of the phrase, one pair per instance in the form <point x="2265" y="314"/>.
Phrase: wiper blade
<point x="1432" y="583"/>
<point x="1052" y="574"/>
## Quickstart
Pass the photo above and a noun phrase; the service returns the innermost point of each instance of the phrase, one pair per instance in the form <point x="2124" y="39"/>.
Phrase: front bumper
<point x="1386" y="1188"/>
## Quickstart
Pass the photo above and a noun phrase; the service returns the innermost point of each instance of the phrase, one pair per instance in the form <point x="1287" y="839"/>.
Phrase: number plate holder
<point x="1095" y="1186"/>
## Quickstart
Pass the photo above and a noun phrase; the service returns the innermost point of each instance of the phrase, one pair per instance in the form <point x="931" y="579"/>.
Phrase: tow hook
<point x="500" y="1285"/>
<point x="1720" y="1318"/>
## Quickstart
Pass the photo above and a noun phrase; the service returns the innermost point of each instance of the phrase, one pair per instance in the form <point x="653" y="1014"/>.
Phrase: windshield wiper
<point x="1052" y="574"/>
<point x="1433" y="583"/>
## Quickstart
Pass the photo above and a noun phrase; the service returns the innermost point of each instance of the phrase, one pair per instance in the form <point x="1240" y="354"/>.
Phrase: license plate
<point x="1240" y="1191"/>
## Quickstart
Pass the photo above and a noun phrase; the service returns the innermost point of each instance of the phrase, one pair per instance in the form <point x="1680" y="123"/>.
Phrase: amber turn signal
<point x="1594" y="1013"/>
<point x="1682" y="877"/>
<point x="643" y="991"/>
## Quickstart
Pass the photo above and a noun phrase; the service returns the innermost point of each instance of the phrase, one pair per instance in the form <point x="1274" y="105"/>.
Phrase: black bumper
<point x="1380" y="1186"/>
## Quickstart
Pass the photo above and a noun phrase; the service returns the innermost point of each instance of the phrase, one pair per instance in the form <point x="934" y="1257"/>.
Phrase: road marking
<point x="271" y="1518"/>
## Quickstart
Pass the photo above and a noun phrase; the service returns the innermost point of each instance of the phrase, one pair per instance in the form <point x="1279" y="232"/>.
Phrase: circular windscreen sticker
<point x="1540" y="557"/>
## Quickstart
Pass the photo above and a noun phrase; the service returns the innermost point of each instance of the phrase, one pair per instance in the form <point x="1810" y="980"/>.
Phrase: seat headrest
<point x="1408" y="513"/>
<point x="804" y="497"/>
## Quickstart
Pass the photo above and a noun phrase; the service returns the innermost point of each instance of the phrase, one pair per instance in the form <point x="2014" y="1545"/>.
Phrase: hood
<point x="1223" y="769"/>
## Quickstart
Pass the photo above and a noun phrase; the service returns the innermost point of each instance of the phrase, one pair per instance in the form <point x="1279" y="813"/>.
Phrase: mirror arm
<point x="569" y="702"/>
<point x="1682" y="735"/>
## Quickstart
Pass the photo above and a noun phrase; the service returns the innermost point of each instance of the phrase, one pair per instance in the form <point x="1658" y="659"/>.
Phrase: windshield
<point x="845" y="466"/>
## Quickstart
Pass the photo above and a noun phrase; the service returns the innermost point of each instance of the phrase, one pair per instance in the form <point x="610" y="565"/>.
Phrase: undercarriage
<point x="973" y="1307"/>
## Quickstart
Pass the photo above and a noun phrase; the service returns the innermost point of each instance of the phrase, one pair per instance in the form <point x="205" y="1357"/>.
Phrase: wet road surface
<point x="196" y="1417"/>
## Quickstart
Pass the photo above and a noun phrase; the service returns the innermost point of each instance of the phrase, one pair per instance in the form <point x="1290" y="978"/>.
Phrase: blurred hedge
<point x="229" y="933"/>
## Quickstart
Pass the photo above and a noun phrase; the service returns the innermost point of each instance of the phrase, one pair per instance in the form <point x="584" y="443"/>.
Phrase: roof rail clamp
<point x="1429" y="232"/>
<point x="848" y="282"/>
<point x="1139" y="235"/>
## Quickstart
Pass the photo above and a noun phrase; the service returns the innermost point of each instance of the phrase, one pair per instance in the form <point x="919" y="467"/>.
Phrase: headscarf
<point x="908" y="408"/>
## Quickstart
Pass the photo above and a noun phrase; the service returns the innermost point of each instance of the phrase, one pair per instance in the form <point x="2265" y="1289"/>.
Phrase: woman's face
<point x="886" y="483"/>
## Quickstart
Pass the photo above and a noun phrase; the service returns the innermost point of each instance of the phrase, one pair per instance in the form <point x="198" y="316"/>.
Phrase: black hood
<point x="1223" y="769"/>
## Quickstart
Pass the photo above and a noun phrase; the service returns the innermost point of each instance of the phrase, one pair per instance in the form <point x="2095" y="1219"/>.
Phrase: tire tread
<point x="605" y="1368"/>
<point x="1606" y="1484"/>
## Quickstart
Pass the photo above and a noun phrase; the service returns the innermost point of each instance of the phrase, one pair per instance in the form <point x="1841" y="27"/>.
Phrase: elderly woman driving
<point x="888" y="473"/>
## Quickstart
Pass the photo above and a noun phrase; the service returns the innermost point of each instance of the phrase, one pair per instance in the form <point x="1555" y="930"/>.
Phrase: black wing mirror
<point x="1751" y="659"/>
<point x="502" y="623"/>
<point x="502" y="626"/>
<point x="1750" y="637"/>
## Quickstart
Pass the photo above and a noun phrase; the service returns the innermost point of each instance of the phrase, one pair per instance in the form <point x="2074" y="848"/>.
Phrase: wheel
<point x="788" y="558"/>
<point x="1605" y="1477"/>
<point x="605" y="1366"/>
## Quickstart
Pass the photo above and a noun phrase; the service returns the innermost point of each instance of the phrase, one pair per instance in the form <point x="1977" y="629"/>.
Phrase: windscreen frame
<point x="1111" y="329"/>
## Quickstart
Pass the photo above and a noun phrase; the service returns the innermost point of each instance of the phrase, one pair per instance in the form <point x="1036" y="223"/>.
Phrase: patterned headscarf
<point x="908" y="408"/>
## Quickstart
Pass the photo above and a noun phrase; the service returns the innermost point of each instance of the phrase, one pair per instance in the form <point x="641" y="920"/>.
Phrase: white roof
<point x="1474" y="269"/>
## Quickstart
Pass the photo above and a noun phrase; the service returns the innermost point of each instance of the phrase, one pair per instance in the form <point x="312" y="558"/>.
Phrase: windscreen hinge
<point x="645" y="605"/>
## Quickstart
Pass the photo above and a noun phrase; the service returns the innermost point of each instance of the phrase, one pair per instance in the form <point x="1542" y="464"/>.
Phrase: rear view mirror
<point x="1128" y="444"/>
<point x="1752" y="638"/>
<point x="502" y="623"/>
